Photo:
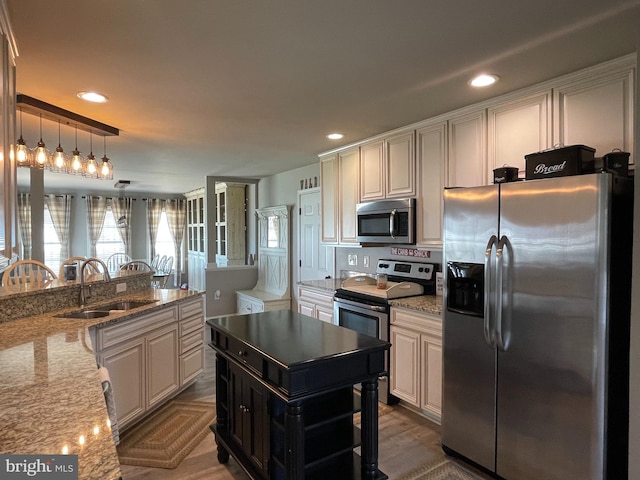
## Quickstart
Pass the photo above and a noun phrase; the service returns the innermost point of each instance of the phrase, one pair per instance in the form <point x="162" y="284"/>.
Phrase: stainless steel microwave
<point x="385" y="222"/>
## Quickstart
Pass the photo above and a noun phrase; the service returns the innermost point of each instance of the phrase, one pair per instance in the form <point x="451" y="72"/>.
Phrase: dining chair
<point x="27" y="273"/>
<point x="116" y="260"/>
<point x="154" y="261"/>
<point x="161" y="263"/>
<point x="168" y="266"/>
<point x="91" y="268"/>
<point x="140" y="265"/>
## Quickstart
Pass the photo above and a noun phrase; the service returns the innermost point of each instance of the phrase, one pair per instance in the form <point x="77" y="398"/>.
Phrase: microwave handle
<point x="392" y="223"/>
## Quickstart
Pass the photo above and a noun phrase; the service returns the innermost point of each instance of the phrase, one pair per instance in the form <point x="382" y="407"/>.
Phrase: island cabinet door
<point x="249" y="419"/>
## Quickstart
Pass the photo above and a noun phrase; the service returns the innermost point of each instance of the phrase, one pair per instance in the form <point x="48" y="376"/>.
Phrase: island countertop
<point x="50" y="390"/>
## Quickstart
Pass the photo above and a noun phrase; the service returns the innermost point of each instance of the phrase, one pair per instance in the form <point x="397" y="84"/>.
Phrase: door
<point x="469" y="362"/>
<point x="316" y="259"/>
<point x="551" y="373"/>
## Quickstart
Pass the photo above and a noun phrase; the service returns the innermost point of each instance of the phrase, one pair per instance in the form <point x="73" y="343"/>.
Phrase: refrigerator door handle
<point x="488" y="337"/>
<point x="499" y="333"/>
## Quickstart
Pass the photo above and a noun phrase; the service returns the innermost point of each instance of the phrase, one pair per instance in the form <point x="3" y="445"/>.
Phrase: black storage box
<point x="505" y="174"/>
<point x="560" y="162"/>
<point x="613" y="162"/>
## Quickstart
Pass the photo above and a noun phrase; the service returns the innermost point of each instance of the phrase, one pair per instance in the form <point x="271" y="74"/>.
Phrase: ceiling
<point x="251" y="88"/>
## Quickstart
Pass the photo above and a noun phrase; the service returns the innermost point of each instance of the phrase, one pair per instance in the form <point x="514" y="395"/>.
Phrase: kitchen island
<point x="50" y="389"/>
<point x="285" y="401"/>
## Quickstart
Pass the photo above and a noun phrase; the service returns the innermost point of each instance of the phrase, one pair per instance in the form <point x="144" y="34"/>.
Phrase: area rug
<point x="441" y="469"/>
<point x="166" y="437"/>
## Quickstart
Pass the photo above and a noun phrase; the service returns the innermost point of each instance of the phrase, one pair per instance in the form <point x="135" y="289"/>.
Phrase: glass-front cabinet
<point x="196" y="243"/>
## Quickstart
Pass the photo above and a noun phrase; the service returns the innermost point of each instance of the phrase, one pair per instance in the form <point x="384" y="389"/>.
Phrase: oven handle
<point x="373" y="308"/>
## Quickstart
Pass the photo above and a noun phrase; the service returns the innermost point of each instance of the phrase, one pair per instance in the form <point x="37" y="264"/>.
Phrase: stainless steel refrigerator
<point x="536" y="326"/>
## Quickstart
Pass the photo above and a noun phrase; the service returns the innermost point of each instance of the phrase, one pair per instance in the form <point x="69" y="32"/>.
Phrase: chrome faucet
<point x="105" y="278"/>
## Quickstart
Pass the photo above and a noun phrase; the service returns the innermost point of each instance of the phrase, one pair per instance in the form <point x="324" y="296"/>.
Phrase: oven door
<point x="370" y="320"/>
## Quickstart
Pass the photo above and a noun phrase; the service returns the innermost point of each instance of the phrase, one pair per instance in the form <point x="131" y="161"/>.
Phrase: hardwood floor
<point x="406" y="441"/>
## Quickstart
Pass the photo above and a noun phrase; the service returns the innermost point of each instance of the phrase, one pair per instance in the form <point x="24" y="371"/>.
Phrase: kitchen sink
<point x="126" y="305"/>
<point x="85" y="314"/>
<point x="104" y="310"/>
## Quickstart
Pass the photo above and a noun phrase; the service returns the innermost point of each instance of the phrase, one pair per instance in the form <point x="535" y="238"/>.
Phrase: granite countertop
<point x="425" y="303"/>
<point x="328" y="284"/>
<point x="50" y="390"/>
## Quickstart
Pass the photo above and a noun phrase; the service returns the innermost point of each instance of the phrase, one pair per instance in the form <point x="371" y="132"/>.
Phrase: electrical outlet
<point x="365" y="261"/>
<point x="352" y="259"/>
<point x="121" y="287"/>
<point x="216" y="295"/>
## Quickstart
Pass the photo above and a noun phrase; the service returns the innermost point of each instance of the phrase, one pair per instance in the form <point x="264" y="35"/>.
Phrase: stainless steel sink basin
<point x="127" y="305"/>
<point x="104" y="310"/>
<point x="85" y="314"/>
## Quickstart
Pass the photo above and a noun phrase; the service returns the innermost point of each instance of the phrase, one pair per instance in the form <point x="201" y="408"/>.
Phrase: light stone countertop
<point x="50" y="390"/>
<point x="425" y="303"/>
<point x="328" y="284"/>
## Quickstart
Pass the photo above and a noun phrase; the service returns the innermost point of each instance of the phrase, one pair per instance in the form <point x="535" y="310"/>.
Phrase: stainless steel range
<point x="362" y="303"/>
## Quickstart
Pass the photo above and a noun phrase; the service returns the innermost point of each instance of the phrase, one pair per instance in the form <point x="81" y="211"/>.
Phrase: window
<point x="164" y="239"/>
<point x="52" y="245"/>
<point x="109" y="241"/>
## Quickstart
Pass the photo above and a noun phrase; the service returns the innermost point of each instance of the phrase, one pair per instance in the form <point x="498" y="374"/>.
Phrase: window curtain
<point x="154" y="211"/>
<point x="176" y="211"/>
<point x="96" y="211"/>
<point x="60" y="210"/>
<point x="122" y="207"/>
<point x="24" y="223"/>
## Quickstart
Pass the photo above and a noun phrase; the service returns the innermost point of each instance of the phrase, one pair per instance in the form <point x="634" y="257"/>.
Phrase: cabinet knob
<point x="240" y="353"/>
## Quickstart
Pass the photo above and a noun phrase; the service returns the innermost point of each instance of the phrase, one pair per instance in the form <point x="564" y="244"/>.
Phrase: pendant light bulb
<point x="76" y="159"/>
<point x="91" y="165"/>
<point x="22" y="151"/>
<point x="106" y="170"/>
<point x="59" y="159"/>
<point x="41" y="155"/>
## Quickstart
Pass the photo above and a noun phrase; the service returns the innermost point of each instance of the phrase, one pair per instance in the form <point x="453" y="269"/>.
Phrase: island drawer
<point x="191" y="340"/>
<point x="133" y="327"/>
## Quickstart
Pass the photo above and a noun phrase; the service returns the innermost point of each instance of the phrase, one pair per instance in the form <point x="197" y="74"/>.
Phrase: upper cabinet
<point x="431" y="146"/>
<point x="387" y="167"/>
<point x="596" y="108"/>
<point x="516" y="128"/>
<point x="467" y="149"/>
<point x="339" y="174"/>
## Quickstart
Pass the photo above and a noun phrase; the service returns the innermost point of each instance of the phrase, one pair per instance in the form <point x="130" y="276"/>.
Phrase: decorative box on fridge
<point x="560" y="162"/>
<point x="616" y="162"/>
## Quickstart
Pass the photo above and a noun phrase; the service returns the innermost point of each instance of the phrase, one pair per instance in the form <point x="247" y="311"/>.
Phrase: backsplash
<point x="360" y="256"/>
<point x="38" y="302"/>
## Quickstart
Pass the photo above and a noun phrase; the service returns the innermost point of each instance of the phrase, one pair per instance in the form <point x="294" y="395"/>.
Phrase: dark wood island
<point x="285" y="398"/>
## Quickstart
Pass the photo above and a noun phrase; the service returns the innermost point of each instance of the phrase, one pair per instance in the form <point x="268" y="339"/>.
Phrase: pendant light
<point x="59" y="161"/>
<point x="76" y="159"/>
<point x="22" y="151"/>
<point x="91" y="168"/>
<point x="41" y="154"/>
<point x="106" y="169"/>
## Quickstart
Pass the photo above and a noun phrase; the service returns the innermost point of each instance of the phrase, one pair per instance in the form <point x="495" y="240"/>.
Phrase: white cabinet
<point x="340" y="194"/>
<point x="431" y="146"/>
<point x="196" y="253"/>
<point x="151" y="357"/>
<point x="315" y="303"/>
<point x="191" y="340"/>
<point x="467" y="149"/>
<point x="416" y="360"/>
<point x="252" y="301"/>
<point x="596" y="108"/>
<point x="517" y="128"/>
<point x="387" y="167"/>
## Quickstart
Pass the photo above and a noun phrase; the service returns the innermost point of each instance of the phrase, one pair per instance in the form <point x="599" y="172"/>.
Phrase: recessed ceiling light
<point x="335" y="136"/>
<point x="93" y="97"/>
<point x="483" y="80"/>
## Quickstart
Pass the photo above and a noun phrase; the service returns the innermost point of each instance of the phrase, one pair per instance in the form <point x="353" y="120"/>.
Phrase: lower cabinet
<point x="416" y="360"/>
<point x="255" y="301"/>
<point x="151" y="357"/>
<point x="315" y="303"/>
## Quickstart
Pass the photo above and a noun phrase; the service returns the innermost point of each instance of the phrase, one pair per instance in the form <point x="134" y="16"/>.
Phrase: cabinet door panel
<point x="467" y="150"/>
<point x="518" y="128"/>
<point x="596" y="111"/>
<point x="432" y="374"/>
<point x="432" y="157"/>
<point x="400" y="166"/>
<point x="349" y="193"/>
<point x="126" y="370"/>
<point x="255" y="424"/>
<point x="306" y="309"/>
<point x="329" y="198"/>
<point x="405" y="350"/>
<point x="372" y="184"/>
<point x="162" y="364"/>
<point x="324" y="314"/>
